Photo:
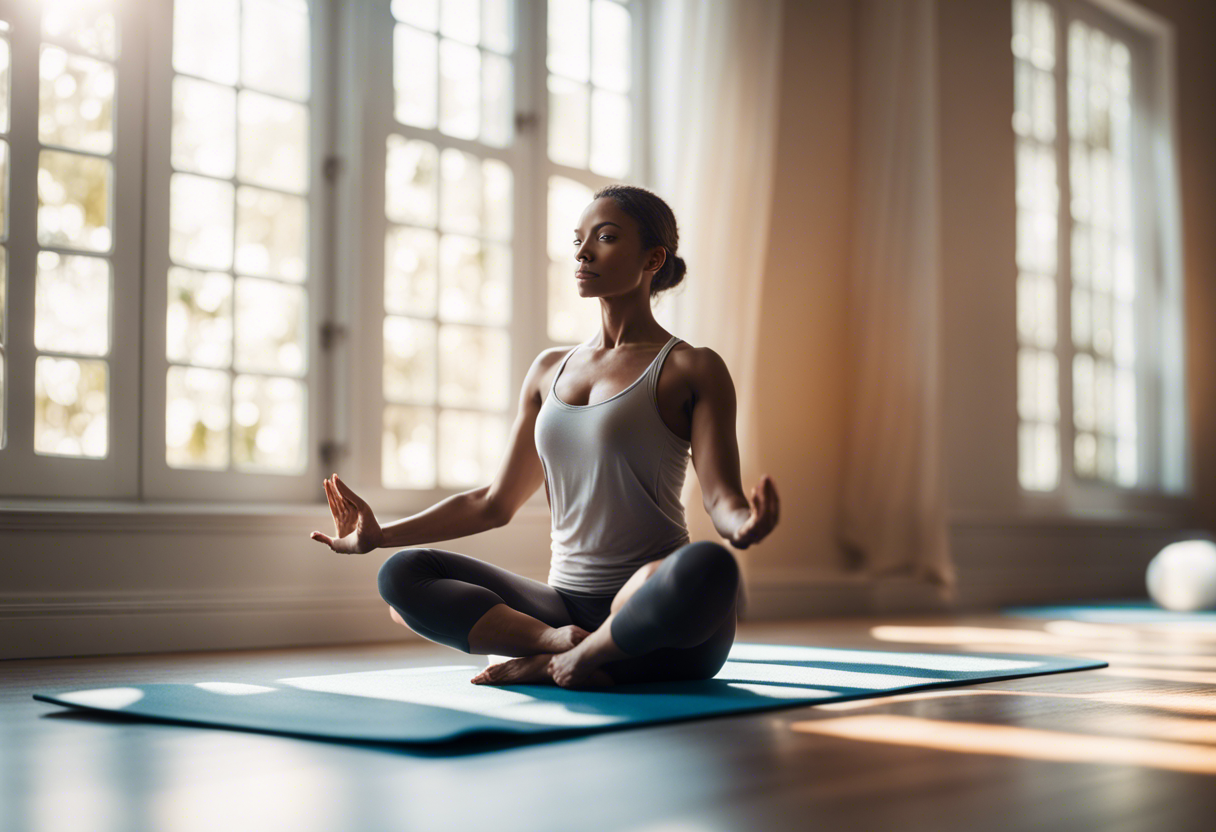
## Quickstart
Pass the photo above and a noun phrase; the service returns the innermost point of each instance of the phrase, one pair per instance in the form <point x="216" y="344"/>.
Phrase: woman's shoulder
<point x="700" y="367"/>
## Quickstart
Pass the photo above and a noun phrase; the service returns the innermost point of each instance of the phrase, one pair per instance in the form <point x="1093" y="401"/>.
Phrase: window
<point x="1099" y="391"/>
<point x="227" y="219"/>
<point x="487" y="142"/>
<point x="70" y="162"/>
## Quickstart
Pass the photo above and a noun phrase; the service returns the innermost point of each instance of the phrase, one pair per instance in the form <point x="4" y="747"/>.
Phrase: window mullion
<point x="1065" y="350"/>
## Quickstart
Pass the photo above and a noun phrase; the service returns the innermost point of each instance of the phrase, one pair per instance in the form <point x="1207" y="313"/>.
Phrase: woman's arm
<point x="459" y="515"/>
<point x="715" y="456"/>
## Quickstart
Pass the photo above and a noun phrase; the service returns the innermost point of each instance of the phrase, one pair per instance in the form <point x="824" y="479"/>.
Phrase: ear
<point x="658" y="256"/>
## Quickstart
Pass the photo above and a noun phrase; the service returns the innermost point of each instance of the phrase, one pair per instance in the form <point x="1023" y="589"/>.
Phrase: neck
<point x="626" y="324"/>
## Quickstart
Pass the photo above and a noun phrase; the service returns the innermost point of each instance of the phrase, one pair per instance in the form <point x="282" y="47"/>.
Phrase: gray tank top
<point x="613" y="472"/>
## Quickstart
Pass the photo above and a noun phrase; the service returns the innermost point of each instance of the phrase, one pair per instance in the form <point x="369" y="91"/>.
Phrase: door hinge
<point x="331" y="166"/>
<point x="331" y="452"/>
<point x="331" y="333"/>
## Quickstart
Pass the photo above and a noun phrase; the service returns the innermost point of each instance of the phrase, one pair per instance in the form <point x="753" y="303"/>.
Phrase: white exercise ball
<point x="1183" y="576"/>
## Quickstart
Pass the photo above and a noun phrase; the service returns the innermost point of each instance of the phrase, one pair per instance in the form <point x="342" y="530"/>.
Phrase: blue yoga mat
<point x="1117" y="612"/>
<point x="438" y="704"/>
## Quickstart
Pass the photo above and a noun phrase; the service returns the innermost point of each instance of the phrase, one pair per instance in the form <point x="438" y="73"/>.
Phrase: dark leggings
<point x="679" y="625"/>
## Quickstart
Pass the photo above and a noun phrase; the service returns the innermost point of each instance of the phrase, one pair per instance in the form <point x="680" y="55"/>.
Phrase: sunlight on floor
<point x="1009" y="741"/>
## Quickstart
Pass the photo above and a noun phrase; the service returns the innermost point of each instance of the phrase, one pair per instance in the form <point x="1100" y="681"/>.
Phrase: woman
<point x="607" y="427"/>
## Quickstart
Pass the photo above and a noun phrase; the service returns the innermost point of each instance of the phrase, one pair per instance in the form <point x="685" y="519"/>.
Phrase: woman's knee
<point x="401" y="570"/>
<point x="707" y="565"/>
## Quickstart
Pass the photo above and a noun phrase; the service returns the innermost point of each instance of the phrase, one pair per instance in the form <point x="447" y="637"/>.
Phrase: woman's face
<point x="608" y="252"/>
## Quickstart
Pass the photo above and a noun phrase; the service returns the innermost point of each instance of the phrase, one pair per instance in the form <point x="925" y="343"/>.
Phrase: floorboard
<point x="1129" y="747"/>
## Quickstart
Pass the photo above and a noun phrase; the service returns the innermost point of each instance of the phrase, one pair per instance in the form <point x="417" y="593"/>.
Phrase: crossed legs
<point x="674" y="618"/>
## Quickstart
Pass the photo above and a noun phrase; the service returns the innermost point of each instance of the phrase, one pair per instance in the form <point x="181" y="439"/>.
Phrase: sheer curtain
<point x="893" y="508"/>
<point x="714" y="97"/>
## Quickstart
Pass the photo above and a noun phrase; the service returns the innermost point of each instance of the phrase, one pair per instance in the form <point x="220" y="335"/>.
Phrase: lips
<point x="582" y="275"/>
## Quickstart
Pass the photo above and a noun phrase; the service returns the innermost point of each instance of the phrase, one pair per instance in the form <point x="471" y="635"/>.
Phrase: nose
<point x="581" y="254"/>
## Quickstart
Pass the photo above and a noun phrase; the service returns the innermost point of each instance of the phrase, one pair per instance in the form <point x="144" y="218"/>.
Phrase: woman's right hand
<point x="355" y="528"/>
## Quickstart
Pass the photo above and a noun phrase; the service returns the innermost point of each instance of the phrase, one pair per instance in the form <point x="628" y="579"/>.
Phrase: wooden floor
<point x="1129" y="747"/>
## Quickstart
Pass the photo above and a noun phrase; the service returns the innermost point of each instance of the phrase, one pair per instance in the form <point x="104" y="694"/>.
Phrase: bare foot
<point x="561" y="639"/>
<point x="528" y="670"/>
<point x="575" y="669"/>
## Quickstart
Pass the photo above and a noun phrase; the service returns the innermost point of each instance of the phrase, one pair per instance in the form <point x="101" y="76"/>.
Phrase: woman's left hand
<point x="765" y="510"/>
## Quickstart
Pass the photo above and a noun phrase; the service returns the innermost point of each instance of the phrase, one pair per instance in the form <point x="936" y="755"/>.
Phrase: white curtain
<point x="893" y="518"/>
<point x="714" y="98"/>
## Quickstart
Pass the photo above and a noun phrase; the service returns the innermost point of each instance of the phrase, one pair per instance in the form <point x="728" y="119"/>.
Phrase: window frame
<point x="365" y="128"/>
<point x="28" y="474"/>
<point x="1160" y="399"/>
<point x="159" y="480"/>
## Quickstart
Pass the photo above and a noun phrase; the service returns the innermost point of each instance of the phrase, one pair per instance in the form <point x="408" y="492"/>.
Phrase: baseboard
<point x="86" y="623"/>
<point x="807" y="593"/>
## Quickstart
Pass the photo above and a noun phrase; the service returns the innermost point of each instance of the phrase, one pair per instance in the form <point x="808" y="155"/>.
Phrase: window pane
<point x="610" y="133"/>
<point x="471" y="446"/>
<point x="1085" y="455"/>
<point x="498" y="25"/>
<point x="459" y="89"/>
<point x="1036" y="242"/>
<point x="461" y="189"/>
<point x="5" y="60"/>
<point x="498" y="180"/>
<point x="411" y="179"/>
<point x="567" y="199"/>
<point x="421" y="13"/>
<point x="1126" y="467"/>
<point x="273" y="142"/>
<point x="498" y="104"/>
<point x="568" y="41"/>
<point x="410" y="272"/>
<point x="1106" y="458"/>
<point x="610" y="53"/>
<point x="70" y="406"/>
<point x="1083" y="414"/>
<point x="409" y="360"/>
<point x="1044" y="113"/>
<point x="408" y="447"/>
<point x="196" y="418"/>
<point x="271" y="234"/>
<point x="473" y="367"/>
<point x="1042" y="36"/>
<point x="199" y="322"/>
<point x="567" y="122"/>
<point x="74" y="201"/>
<point x="1037" y="386"/>
<point x="268" y="429"/>
<point x="415" y="63"/>
<point x="3" y="432"/>
<point x="200" y="221"/>
<point x="460" y="19"/>
<point x="1036" y="311"/>
<point x="75" y="101"/>
<point x="3" y="191"/>
<point x="1104" y="396"/>
<point x="469" y="291"/>
<point x="271" y="319"/>
<point x="205" y="39"/>
<point x="275" y="54"/>
<point x="1125" y="403"/>
<point x="1038" y="456"/>
<point x="1125" y="334"/>
<point x="72" y="304"/>
<point x="204" y="128"/>
<point x="88" y="25"/>
<point x="570" y="317"/>
<point x="3" y="290"/>
<point x="1081" y="319"/>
